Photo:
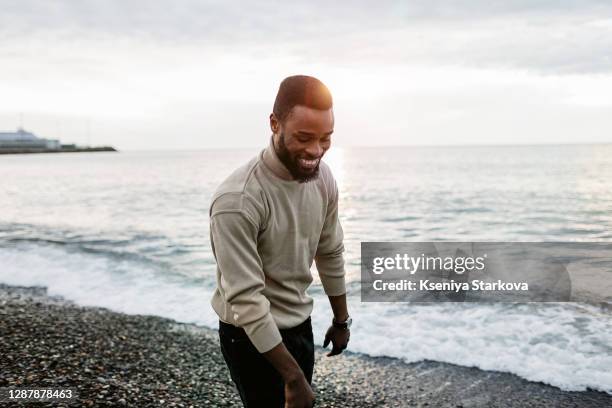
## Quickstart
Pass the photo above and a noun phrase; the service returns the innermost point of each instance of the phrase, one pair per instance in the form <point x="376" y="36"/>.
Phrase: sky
<point x="195" y="74"/>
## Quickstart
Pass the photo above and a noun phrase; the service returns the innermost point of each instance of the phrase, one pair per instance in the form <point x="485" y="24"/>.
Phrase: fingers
<point x="336" y="349"/>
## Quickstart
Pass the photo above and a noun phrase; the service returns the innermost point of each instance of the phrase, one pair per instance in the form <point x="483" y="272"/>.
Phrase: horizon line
<point x="379" y="146"/>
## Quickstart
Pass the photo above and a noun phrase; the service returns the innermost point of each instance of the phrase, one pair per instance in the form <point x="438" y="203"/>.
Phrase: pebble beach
<point x="114" y="359"/>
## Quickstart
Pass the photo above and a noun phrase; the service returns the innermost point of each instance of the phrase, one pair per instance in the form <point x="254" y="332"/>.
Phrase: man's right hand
<point x="298" y="393"/>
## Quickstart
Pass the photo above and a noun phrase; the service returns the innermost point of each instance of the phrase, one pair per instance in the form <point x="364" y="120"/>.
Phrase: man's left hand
<point x="339" y="339"/>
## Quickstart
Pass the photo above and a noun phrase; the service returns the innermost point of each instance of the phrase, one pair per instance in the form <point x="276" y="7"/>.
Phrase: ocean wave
<point x="101" y="279"/>
<point x="155" y="250"/>
<point x="564" y="345"/>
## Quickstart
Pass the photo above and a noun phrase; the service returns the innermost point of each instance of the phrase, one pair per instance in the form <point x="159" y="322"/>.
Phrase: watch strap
<point x="342" y="325"/>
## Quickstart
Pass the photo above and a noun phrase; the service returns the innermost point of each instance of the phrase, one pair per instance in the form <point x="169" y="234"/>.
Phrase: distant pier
<point x="24" y="142"/>
<point x="60" y="150"/>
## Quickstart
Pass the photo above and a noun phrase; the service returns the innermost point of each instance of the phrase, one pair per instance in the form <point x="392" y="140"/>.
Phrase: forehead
<point x="310" y="120"/>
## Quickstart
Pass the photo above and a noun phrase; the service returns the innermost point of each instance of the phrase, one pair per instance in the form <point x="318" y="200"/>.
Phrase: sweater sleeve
<point x="329" y="257"/>
<point x="234" y="234"/>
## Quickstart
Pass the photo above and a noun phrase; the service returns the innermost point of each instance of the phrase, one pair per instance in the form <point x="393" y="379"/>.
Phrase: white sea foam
<point x="97" y="280"/>
<point x="565" y="345"/>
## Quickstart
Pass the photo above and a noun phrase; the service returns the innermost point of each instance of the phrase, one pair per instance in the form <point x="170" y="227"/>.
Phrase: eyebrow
<point x="305" y="133"/>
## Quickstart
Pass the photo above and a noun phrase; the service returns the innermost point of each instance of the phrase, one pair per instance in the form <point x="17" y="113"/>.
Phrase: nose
<point x="314" y="150"/>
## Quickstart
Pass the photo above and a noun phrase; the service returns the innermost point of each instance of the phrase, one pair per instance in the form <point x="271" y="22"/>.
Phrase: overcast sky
<point x="199" y="74"/>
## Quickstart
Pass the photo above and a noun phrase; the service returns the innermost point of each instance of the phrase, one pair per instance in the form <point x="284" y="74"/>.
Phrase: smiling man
<point x="269" y="220"/>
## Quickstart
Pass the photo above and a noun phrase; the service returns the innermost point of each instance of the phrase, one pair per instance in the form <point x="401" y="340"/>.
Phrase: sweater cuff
<point x="264" y="334"/>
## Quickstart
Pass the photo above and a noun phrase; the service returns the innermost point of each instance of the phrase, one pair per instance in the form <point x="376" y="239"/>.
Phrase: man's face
<point x="302" y="140"/>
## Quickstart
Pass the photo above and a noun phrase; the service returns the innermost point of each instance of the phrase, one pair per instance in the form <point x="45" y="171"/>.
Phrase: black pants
<point x="258" y="382"/>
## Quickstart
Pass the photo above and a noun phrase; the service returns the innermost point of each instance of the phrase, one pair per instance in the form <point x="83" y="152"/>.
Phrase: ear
<point x="274" y="124"/>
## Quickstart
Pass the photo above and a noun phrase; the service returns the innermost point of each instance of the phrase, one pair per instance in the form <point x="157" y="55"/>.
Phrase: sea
<point x="129" y="231"/>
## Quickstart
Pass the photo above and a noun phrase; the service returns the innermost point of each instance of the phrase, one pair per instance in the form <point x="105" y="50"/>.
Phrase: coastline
<point x="134" y="360"/>
<point x="63" y="150"/>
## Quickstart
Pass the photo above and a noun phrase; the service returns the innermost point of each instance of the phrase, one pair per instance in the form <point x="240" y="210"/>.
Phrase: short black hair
<point x="301" y="90"/>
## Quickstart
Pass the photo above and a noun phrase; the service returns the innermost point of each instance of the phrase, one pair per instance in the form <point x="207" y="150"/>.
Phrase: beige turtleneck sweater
<point x="266" y="229"/>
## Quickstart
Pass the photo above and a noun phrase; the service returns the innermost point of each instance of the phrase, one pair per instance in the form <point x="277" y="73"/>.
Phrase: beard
<point x="292" y="164"/>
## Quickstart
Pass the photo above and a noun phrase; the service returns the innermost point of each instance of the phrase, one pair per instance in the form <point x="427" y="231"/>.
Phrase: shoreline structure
<point x="61" y="150"/>
<point x="24" y="142"/>
<point x="134" y="360"/>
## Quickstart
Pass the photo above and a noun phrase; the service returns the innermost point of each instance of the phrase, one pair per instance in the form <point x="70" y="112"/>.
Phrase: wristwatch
<point x="343" y="325"/>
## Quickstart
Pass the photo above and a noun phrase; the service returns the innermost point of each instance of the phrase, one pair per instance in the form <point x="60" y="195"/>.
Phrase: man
<point x="268" y="221"/>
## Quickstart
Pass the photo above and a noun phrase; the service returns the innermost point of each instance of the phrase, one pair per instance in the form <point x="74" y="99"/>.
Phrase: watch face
<point x="345" y="324"/>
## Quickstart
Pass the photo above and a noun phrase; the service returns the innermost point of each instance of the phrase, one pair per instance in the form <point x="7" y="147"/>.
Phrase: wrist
<point x="341" y="317"/>
<point x="293" y="376"/>
<point x="342" y="324"/>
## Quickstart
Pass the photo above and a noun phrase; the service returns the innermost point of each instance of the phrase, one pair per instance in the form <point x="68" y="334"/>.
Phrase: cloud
<point x="545" y="36"/>
<point x="429" y="69"/>
<point x="543" y="45"/>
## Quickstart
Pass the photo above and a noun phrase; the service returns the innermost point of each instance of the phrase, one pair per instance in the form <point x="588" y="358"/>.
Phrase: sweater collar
<point x="271" y="160"/>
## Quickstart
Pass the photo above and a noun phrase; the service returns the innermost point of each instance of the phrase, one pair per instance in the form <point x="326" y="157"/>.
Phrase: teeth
<point x="309" y="163"/>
